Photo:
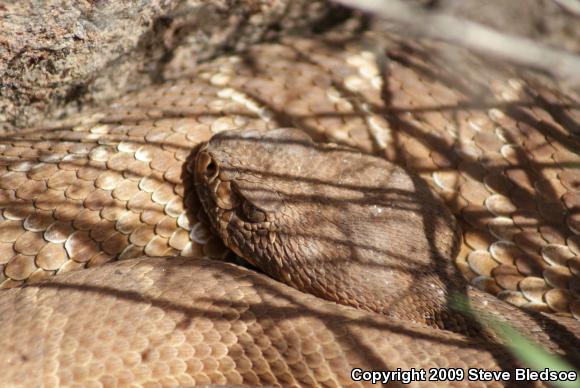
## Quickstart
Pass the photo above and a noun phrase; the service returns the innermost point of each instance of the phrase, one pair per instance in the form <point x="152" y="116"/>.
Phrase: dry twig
<point x="572" y="6"/>
<point x="471" y="35"/>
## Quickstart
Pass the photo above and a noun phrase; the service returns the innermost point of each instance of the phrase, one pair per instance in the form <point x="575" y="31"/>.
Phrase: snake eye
<point x="251" y="213"/>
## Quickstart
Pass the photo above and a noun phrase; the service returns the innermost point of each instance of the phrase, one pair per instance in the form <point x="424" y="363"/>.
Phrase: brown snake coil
<point x="117" y="184"/>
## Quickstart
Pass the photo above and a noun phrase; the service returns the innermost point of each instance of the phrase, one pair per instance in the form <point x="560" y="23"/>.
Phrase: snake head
<point x="326" y="219"/>
<point x="236" y="181"/>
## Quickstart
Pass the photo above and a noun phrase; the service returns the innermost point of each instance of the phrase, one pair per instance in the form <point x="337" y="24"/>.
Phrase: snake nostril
<point x="206" y="166"/>
<point x="210" y="169"/>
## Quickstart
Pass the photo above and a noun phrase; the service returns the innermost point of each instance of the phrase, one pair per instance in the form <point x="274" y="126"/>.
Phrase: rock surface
<point x="60" y="55"/>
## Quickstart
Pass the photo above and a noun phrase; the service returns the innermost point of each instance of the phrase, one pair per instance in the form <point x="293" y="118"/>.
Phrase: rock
<point x="57" y="56"/>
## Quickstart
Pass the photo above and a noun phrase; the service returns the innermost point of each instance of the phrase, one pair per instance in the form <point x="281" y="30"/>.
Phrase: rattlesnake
<point x="115" y="184"/>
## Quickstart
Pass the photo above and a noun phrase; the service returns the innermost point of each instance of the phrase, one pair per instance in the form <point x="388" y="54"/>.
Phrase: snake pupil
<point x="252" y="213"/>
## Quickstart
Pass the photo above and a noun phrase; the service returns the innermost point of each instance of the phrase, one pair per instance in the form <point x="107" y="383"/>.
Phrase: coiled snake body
<point x="118" y="184"/>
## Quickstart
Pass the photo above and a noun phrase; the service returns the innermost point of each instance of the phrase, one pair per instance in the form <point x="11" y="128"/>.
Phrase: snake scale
<point x="117" y="184"/>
